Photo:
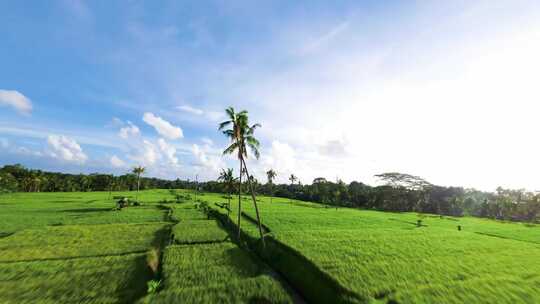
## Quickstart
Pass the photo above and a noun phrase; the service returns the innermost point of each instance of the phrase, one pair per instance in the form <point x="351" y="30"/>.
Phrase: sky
<point x="446" y="90"/>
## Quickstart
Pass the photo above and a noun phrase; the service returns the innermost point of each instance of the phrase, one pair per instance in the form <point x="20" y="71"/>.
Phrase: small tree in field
<point x="271" y="174"/>
<point x="228" y="179"/>
<point x="241" y="136"/>
<point x="292" y="178"/>
<point x="138" y="171"/>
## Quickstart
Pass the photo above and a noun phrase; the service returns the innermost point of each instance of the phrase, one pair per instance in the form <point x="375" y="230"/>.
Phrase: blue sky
<point x="344" y="89"/>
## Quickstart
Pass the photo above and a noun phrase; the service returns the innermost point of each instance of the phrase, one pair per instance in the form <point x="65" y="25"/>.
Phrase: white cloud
<point x="334" y="148"/>
<point x="213" y="116"/>
<point x="146" y="154"/>
<point x="66" y="149"/>
<point x="163" y="127"/>
<point x="190" y="109"/>
<point x="326" y="37"/>
<point x="117" y="162"/>
<point x="282" y="158"/>
<point x="4" y="143"/>
<point x="129" y="130"/>
<point x="207" y="141"/>
<point x="168" y="150"/>
<point x="206" y="158"/>
<point x="115" y="122"/>
<point x="16" y="100"/>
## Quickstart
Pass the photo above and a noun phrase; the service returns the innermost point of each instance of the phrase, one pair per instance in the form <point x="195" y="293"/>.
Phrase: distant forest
<point x="400" y="192"/>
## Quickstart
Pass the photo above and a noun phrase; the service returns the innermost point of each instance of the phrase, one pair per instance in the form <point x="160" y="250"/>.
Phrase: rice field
<point x="387" y="257"/>
<point x="73" y="248"/>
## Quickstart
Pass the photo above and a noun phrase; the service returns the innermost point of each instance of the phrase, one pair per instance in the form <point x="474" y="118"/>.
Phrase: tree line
<point x="17" y="178"/>
<point x="399" y="192"/>
<point x="404" y="193"/>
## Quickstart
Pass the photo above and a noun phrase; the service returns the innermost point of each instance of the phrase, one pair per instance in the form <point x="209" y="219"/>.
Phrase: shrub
<point x="153" y="285"/>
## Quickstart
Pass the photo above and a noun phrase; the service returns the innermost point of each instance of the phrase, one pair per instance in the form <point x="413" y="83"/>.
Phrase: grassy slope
<point x="385" y="256"/>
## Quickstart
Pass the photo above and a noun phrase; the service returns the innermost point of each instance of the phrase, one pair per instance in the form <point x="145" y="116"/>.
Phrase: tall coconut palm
<point x="228" y="179"/>
<point x="293" y="178"/>
<point x="138" y="171"/>
<point x="241" y="136"/>
<point x="111" y="184"/>
<point x="271" y="174"/>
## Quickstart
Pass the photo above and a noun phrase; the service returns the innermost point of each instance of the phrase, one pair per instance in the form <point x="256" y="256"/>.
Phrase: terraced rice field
<point x="71" y="247"/>
<point x="202" y="265"/>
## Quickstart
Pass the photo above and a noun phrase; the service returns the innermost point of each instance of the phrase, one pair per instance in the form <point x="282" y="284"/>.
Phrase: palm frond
<point x="229" y="133"/>
<point x="255" y="149"/>
<point x="231" y="148"/>
<point x="230" y="112"/>
<point x="253" y="141"/>
<point x="224" y="124"/>
<point x="251" y="130"/>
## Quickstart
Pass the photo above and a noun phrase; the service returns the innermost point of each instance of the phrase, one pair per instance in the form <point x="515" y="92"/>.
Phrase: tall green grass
<point x="215" y="273"/>
<point x="108" y="279"/>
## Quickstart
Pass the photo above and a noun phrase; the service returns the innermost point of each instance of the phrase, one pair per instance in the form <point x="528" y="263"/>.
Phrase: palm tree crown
<point x="240" y="134"/>
<point x="271" y="174"/>
<point x="139" y="170"/>
<point x="227" y="177"/>
<point x="293" y="178"/>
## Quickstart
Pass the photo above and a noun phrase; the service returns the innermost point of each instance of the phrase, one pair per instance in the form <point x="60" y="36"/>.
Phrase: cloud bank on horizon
<point x="446" y="91"/>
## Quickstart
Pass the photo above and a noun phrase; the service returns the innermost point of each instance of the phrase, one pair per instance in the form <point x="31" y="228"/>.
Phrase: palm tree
<point x="292" y="178"/>
<point x="227" y="177"/>
<point x="241" y="136"/>
<point x="271" y="174"/>
<point x="138" y="171"/>
<point x="111" y="184"/>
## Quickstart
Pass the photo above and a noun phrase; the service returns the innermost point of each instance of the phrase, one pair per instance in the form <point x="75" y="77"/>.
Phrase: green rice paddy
<point x="72" y="247"/>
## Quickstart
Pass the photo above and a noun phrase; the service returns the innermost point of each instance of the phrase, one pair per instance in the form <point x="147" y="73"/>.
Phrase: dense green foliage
<point x="16" y="178"/>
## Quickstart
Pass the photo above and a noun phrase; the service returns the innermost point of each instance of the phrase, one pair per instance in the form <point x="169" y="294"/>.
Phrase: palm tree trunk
<point x="271" y="192"/>
<point x="255" y="204"/>
<point x="110" y="187"/>
<point x="229" y="203"/>
<point x="138" y="186"/>
<point x="240" y="199"/>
